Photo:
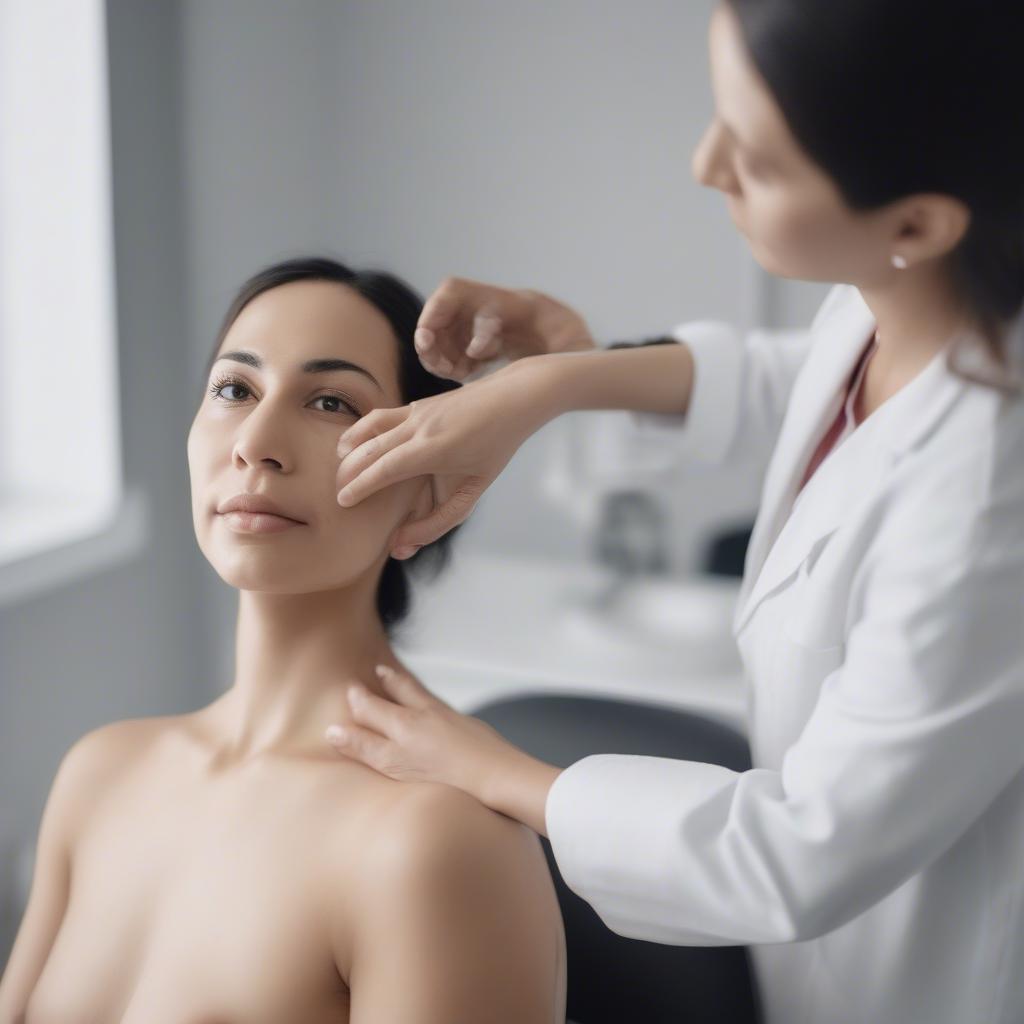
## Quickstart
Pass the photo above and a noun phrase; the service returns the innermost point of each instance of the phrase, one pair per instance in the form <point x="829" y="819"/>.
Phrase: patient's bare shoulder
<point x="100" y="755"/>
<point x="436" y="830"/>
<point x="458" y="901"/>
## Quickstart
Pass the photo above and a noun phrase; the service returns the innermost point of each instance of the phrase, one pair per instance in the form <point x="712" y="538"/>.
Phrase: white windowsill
<point x="44" y="546"/>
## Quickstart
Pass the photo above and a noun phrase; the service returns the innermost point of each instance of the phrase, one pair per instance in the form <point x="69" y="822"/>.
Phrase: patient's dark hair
<point x="896" y="97"/>
<point x="401" y="306"/>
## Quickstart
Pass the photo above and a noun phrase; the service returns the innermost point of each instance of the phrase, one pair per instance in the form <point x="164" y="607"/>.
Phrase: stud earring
<point x="899" y="261"/>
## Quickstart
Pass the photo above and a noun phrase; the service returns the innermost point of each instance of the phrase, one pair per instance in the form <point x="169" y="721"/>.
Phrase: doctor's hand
<point x="416" y="737"/>
<point x="467" y="324"/>
<point x="462" y="438"/>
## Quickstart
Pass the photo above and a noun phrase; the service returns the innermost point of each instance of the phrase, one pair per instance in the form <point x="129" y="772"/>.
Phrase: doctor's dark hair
<point x="401" y="306"/>
<point x="896" y="97"/>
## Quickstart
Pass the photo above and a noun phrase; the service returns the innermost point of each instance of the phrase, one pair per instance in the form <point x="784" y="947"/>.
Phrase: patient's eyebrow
<point x="311" y="366"/>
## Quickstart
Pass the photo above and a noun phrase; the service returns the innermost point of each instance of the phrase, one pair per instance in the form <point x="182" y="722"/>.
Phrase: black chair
<point x="613" y="979"/>
<point x="724" y="552"/>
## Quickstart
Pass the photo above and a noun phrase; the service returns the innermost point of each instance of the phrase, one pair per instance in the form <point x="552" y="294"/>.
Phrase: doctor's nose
<point x="709" y="165"/>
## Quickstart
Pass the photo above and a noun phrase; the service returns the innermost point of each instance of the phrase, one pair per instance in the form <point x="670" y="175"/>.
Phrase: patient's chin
<point x="274" y="563"/>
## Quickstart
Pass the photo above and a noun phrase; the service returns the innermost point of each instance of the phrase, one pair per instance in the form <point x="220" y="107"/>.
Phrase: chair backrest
<point x="613" y="979"/>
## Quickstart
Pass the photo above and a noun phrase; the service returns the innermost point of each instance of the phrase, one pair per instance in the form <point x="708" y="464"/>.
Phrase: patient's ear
<point x="422" y="506"/>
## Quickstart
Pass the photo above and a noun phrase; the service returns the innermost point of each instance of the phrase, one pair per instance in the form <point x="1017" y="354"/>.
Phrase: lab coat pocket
<point x="798" y="672"/>
<point x="807" y="650"/>
<point x="814" y="615"/>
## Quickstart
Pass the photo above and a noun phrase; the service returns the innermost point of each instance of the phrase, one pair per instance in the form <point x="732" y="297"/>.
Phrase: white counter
<point x="490" y="627"/>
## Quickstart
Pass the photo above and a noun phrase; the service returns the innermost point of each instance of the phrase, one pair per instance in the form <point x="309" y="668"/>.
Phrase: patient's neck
<point x="295" y="656"/>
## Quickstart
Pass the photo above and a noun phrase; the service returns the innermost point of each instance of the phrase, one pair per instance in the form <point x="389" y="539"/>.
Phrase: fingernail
<point x="344" y="496"/>
<point x="383" y="670"/>
<point x="335" y="734"/>
<point x="423" y="339"/>
<point x="355" y="693"/>
<point x="407" y="551"/>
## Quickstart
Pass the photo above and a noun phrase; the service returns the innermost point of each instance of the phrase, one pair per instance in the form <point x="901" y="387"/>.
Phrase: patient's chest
<point x="208" y="901"/>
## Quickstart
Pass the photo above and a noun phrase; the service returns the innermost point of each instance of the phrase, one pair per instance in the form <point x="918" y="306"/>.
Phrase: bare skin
<point x="228" y="865"/>
<point x="291" y="888"/>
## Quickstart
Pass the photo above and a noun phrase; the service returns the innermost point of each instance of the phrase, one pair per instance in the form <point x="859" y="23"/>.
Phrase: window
<point x="60" y="451"/>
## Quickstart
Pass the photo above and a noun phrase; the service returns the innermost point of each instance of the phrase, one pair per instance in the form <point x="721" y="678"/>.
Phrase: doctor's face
<point x="786" y="206"/>
<point x="273" y="428"/>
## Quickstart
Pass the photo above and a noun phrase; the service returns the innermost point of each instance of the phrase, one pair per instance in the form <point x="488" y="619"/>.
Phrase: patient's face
<point x="273" y="431"/>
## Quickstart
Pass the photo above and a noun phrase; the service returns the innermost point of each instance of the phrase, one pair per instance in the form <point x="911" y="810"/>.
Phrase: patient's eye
<point x="222" y="383"/>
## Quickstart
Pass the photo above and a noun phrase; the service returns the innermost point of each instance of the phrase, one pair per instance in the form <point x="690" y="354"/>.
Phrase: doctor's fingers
<point x="407" y="689"/>
<point x="383" y="465"/>
<point x="461" y="323"/>
<point x="419" y="532"/>
<point x="444" y="358"/>
<point x="358" y="450"/>
<point x="367" y="747"/>
<point x="373" y="424"/>
<point x="384" y="716"/>
<point x="478" y="340"/>
<point x="442" y="321"/>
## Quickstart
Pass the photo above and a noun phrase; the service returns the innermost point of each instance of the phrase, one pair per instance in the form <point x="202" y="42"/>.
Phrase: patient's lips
<point x="256" y="513"/>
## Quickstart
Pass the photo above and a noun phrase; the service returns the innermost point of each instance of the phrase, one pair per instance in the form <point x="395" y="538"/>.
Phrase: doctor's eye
<point x="221" y="383"/>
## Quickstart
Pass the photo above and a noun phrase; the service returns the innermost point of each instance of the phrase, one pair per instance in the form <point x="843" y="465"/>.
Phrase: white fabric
<point x="873" y="857"/>
<point x="741" y="387"/>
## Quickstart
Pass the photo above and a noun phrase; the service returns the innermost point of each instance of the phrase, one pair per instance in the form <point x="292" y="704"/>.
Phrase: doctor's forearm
<point x="649" y="378"/>
<point x="519" y="790"/>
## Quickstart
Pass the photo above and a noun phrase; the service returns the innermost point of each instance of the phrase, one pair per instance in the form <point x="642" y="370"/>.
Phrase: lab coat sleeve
<point x="911" y="738"/>
<point x="741" y="387"/>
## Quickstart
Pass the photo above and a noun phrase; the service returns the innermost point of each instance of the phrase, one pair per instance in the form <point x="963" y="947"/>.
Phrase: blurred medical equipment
<point x="632" y="534"/>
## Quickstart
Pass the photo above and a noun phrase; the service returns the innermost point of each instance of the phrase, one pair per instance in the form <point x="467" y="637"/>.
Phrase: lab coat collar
<point x="786" y="532"/>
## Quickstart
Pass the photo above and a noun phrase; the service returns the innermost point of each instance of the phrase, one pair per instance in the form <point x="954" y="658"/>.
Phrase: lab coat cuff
<point x="614" y="822"/>
<point x="578" y="816"/>
<point x="707" y="428"/>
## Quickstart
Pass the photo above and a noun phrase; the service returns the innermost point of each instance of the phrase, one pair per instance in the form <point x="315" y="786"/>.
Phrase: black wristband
<point x="662" y="340"/>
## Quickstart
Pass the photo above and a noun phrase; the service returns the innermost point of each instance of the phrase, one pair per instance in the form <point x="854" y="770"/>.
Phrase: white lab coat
<point x="873" y="856"/>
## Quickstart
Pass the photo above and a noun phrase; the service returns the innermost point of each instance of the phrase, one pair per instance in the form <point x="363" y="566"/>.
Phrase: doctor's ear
<point x="422" y="506"/>
<point x="931" y="225"/>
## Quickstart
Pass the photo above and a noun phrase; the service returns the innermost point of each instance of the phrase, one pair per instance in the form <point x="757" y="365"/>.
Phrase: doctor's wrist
<point x="536" y="386"/>
<point x="518" y="788"/>
<point x="651" y="376"/>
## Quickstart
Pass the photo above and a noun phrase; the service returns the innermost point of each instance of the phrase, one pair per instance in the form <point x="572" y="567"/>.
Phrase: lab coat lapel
<point x="785" y="533"/>
<point x="814" y="402"/>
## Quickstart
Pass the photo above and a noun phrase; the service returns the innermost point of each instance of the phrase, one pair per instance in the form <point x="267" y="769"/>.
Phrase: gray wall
<point x="531" y="144"/>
